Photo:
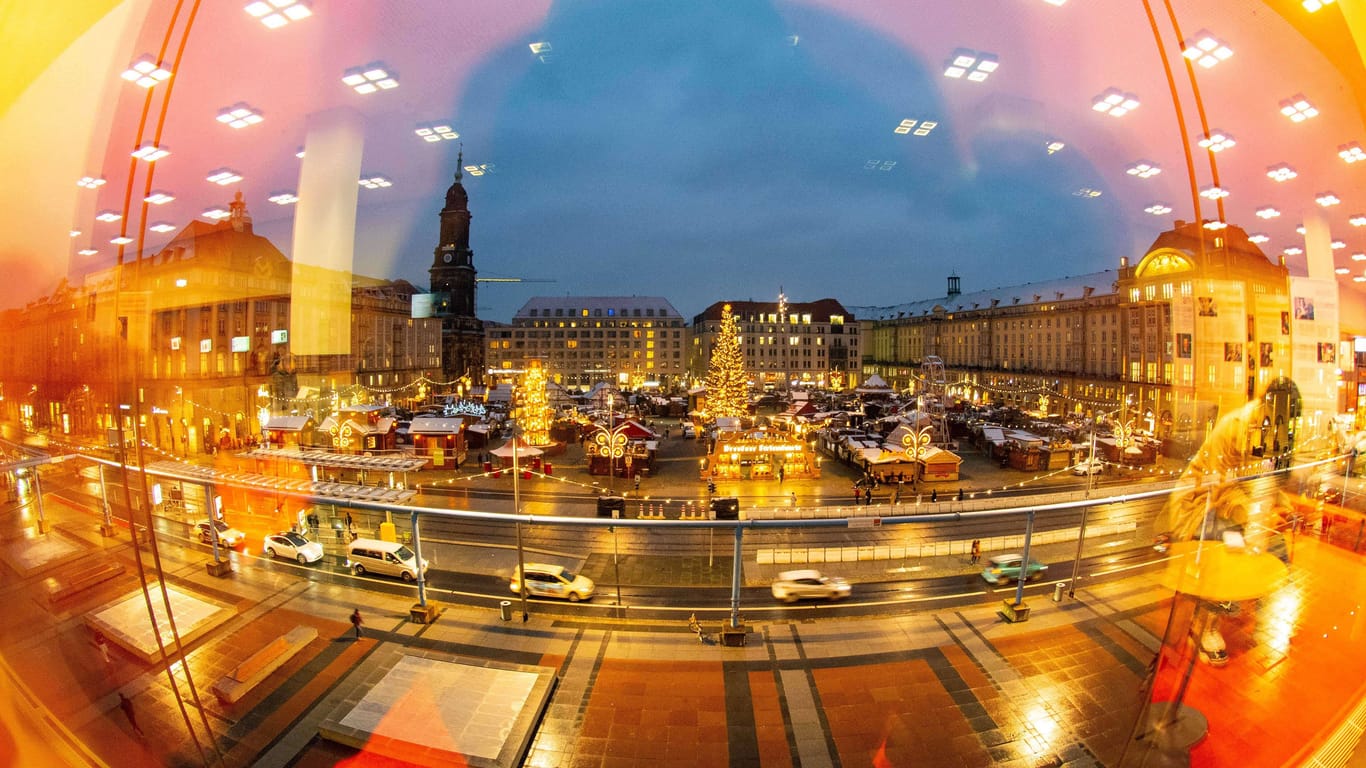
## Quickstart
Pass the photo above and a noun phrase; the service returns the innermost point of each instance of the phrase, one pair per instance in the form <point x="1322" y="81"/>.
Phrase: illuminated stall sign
<point x="762" y="447"/>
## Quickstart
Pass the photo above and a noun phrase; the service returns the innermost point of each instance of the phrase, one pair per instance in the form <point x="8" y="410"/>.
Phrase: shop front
<point x="760" y="456"/>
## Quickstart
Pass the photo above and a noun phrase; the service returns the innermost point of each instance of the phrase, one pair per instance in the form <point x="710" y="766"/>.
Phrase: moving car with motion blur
<point x="791" y="586"/>
<point x="546" y="580"/>
<point x="289" y="544"/>
<point x="1003" y="569"/>
<point x="227" y="536"/>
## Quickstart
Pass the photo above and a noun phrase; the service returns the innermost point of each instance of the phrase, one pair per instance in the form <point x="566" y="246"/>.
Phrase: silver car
<point x="791" y="586"/>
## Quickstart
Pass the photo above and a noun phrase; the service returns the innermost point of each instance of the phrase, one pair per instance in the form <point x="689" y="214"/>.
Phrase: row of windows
<point x="586" y="335"/>
<point x="599" y="312"/>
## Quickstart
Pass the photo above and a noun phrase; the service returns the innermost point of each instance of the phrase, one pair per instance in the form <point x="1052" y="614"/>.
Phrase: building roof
<point x="605" y="306"/>
<point x="1062" y="289"/>
<point x="820" y="309"/>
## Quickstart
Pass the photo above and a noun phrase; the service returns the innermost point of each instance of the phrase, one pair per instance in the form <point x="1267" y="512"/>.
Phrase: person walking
<point x="356" y="621"/>
<point x="934" y="494"/>
<point x="858" y="494"/>
<point x="126" y="704"/>
<point x="960" y="494"/>
<point x="102" y="644"/>
<point x="976" y="551"/>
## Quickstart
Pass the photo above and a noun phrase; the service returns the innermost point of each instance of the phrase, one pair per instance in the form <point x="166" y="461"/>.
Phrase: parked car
<point x="293" y="545"/>
<point x="227" y="535"/>
<point x="1089" y="467"/>
<point x="791" y="586"/>
<point x="386" y="558"/>
<point x="689" y="431"/>
<point x="545" y="580"/>
<point x="1003" y="569"/>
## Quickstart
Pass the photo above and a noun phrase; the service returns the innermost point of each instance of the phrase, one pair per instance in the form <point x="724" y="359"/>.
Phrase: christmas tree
<point x="727" y="388"/>
<point x="533" y="408"/>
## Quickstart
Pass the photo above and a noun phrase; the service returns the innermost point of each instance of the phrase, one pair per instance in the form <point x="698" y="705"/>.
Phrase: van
<point x="384" y="558"/>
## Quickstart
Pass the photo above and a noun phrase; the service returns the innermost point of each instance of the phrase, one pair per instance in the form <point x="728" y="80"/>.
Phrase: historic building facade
<point x="582" y="340"/>
<point x="1198" y="325"/>
<point x="453" y="283"/>
<point x="802" y="343"/>
<point x="207" y="322"/>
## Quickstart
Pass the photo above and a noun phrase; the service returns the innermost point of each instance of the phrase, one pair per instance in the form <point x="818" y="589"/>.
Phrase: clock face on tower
<point x="447" y="256"/>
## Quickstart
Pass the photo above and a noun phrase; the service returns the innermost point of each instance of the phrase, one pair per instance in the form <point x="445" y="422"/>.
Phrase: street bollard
<point x="1057" y="592"/>
<point x="505" y="610"/>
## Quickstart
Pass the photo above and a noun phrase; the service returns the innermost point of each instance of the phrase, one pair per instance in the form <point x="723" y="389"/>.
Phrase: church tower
<point x="453" y="285"/>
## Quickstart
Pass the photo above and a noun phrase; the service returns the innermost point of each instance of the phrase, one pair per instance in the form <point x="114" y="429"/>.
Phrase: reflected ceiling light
<point x="145" y="72"/>
<point x="108" y="216"/>
<point x="1314" y="5"/>
<point x="1258" y="238"/>
<point x="1293" y="251"/>
<point x="1213" y="192"/>
<point x="90" y="182"/>
<point x="977" y="67"/>
<point x="879" y="165"/>
<point x="1215" y="225"/>
<point x="1087" y="192"/>
<point x="1338" y="245"/>
<point x="541" y="51"/>
<point x="1268" y="212"/>
<point x="150" y="152"/>
<point x="1351" y="153"/>
<point x="792" y="40"/>
<point x="1143" y="169"/>
<point x="1281" y="172"/>
<point x="1357" y="220"/>
<point x="1342" y="271"/>
<point x="369" y="78"/>
<point x="1062" y="2"/>
<point x="435" y="132"/>
<point x="283" y="198"/>
<point x="162" y="227"/>
<point x="277" y="13"/>
<point x="1298" y="108"/>
<point x="1359" y="257"/>
<point x="480" y="169"/>
<point x="300" y="153"/>
<point x="87" y="251"/>
<point x="376" y="182"/>
<point x="1217" y="141"/>
<point x="920" y="128"/>
<point x="1359" y="279"/>
<point x="239" y="115"/>
<point x="1115" y="103"/>
<point x="121" y="240"/>
<point x="1158" y="209"/>
<point x="75" y="233"/>
<point x="158" y="198"/>
<point x="1326" y="199"/>
<point x="216" y="213"/>
<point x="223" y="177"/>
<point x="1299" y="230"/>
<point x="1206" y="50"/>
<point x="1054" y="145"/>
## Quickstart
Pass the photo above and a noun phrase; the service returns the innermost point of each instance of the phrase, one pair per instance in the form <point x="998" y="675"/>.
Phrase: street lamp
<point x="1121" y="435"/>
<point x="610" y="442"/>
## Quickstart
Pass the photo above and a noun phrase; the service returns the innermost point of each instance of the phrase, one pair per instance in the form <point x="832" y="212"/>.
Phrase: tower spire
<point x="460" y="161"/>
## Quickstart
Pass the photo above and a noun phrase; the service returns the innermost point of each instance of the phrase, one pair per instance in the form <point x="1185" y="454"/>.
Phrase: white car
<point x="227" y="536"/>
<point x="293" y="545"/>
<point x="546" y="580"/>
<point x="791" y="586"/>
<point x="1089" y="467"/>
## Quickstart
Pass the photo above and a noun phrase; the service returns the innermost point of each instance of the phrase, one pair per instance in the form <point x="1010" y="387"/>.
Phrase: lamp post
<point x="610" y="441"/>
<point x="1090" y="484"/>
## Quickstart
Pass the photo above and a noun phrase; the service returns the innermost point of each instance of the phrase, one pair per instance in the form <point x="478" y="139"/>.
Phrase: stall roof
<point x="339" y="491"/>
<point x="437" y="426"/>
<point x="289" y="423"/>
<point x="341" y="460"/>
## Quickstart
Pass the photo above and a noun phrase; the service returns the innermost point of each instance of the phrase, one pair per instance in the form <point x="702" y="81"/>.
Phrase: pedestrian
<point x="126" y="704"/>
<point x="960" y="494"/>
<point x="794" y="498"/>
<point x="976" y="551"/>
<point x="868" y="499"/>
<point x="934" y="495"/>
<point x="858" y="494"/>
<point x="356" y="621"/>
<point x="102" y="644"/>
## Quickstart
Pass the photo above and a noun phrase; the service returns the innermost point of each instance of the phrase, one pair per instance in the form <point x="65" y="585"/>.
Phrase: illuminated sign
<point x="241" y="344"/>
<point x="464" y="408"/>
<point x="763" y="448"/>
<point x="279" y="337"/>
<point x="175" y="343"/>
<point x="206" y="345"/>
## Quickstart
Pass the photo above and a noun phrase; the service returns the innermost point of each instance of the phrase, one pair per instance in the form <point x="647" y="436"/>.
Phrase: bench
<point x="62" y="588"/>
<point x="236" y="684"/>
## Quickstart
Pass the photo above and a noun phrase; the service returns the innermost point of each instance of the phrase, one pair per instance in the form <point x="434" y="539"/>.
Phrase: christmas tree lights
<point x="727" y="386"/>
<point x="533" y="407"/>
